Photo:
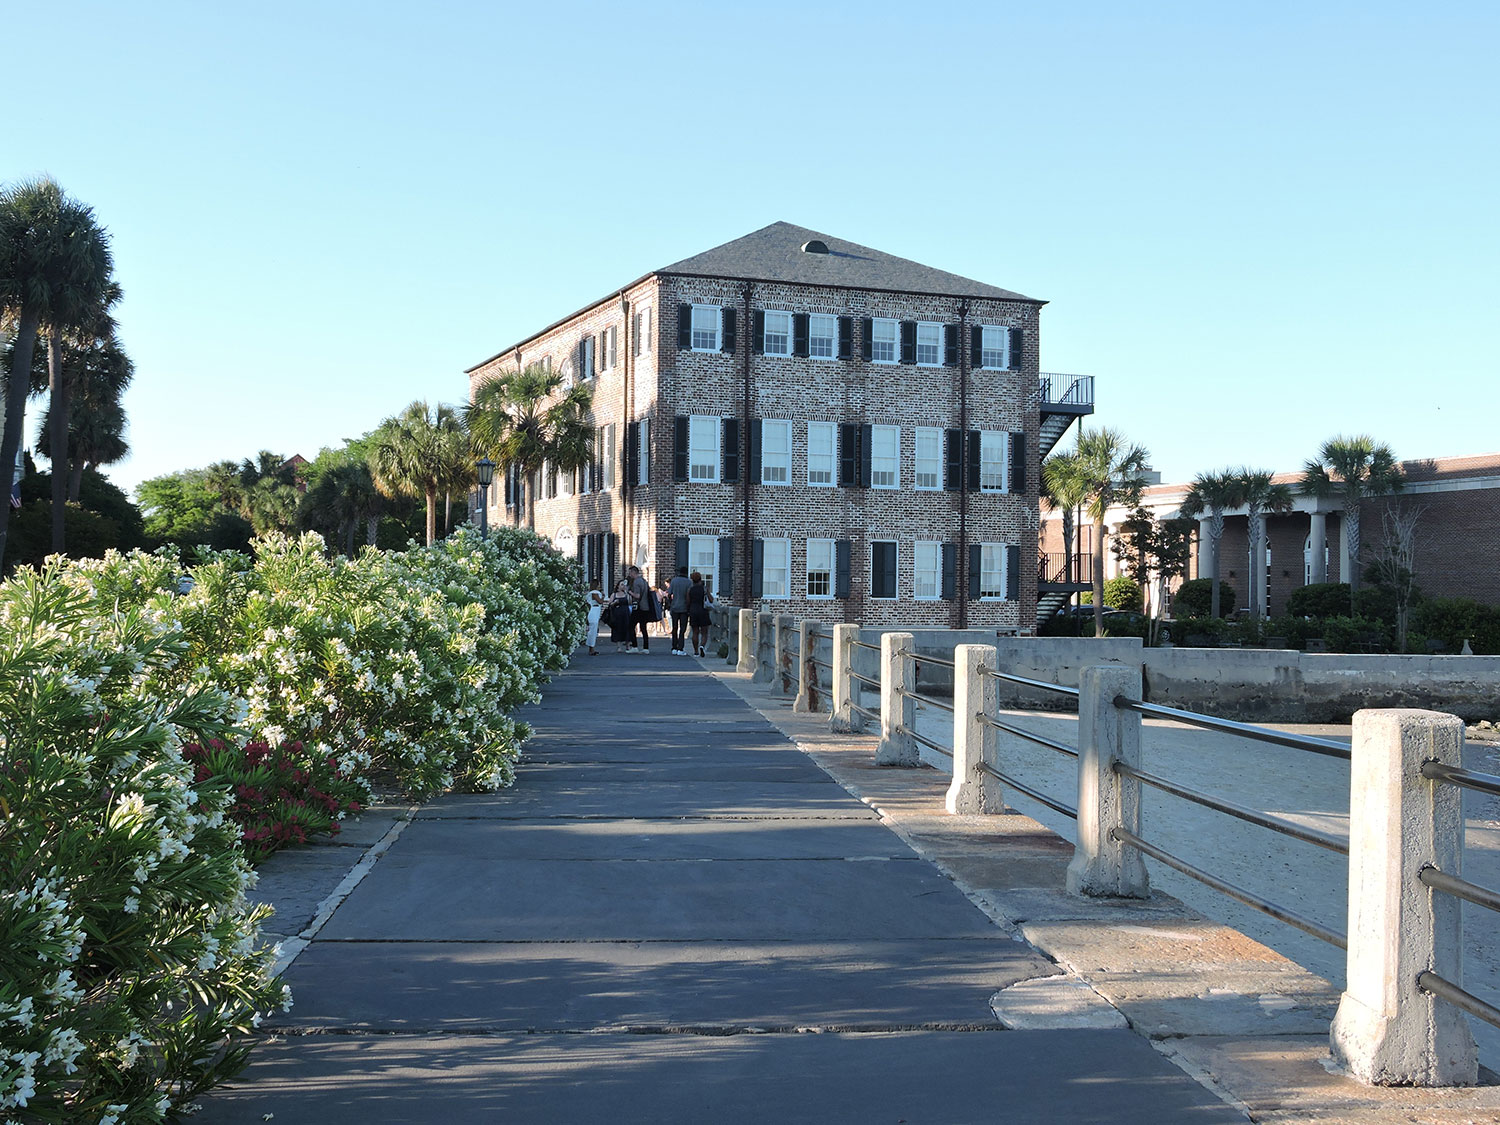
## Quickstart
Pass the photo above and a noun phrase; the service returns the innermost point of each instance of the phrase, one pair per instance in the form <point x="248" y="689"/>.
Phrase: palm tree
<point x="1213" y="492"/>
<point x="1352" y="469"/>
<point x="343" y="496"/>
<point x="408" y="455"/>
<point x="54" y="262"/>
<point x="516" y="422"/>
<point x="1261" y="497"/>
<point x="1063" y="488"/>
<point x="96" y="432"/>
<point x="1111" y="469"/>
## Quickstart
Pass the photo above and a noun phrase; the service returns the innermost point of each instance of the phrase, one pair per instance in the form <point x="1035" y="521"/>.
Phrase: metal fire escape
<point x="1064" y="398"/>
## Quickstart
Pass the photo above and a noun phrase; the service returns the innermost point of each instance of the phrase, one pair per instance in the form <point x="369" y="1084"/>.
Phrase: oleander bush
<point x="137" y="775"/>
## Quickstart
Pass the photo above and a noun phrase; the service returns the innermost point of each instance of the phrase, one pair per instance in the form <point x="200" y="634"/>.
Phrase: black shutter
<point x="801" y="329"/>
<point x="725" y="588"/>
<point x="729" y="450"/>
<point x="976" y="347"/>
<point x="953" y="459"/>
<point x="865" y="451"/>
<point x="974" y="447"/>
<point x="758" y="332"/>
<point x="632" y="452"/>
<point x="757" y="567"/>
<point x="848" y="455"/>
<point x="644" y="444"/>
<point x="882" y="570"/>
<point x="612" y="559"/>
<point x="908" y="341"/>
<point x="976" y="561"/>
<point x="866" y="338"/>
<point x="680" y="448"/>
<point x="1017" y="346"/>
<point x="1017" y="482"/>
<point x="754" y="451"/>
<point x="1013" y="574"/>
<point x="950" y="345"/>
<point x="682" y="550"/>
<point x="846" y="337"/>
<point x="729" y="338"/>
<point x="684" y="327"/>
<point x="841" y="568"/>
<point x="950" y="571"/>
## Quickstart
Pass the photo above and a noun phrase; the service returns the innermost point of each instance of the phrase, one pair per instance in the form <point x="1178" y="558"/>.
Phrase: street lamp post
<point x="486" y="469"/>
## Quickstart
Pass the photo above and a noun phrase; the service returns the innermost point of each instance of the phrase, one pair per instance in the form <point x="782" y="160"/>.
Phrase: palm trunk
<point x="372" y="529"/>
<point x="75" y="479"/>
<point x="15" y="414"/>
<point x="1216" y="536"/>
<point x="447" y="511"/>
<point x="58" y="409"/>
<point x="1098" y="578"/>
<point x="530" y="503"/>
<point x="431" y="516"/>
<point x="1257" y="565"/>
<point x="1351" y="535"/>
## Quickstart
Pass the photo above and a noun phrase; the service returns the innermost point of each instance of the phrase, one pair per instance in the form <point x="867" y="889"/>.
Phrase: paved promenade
<point x="679" y="915"/>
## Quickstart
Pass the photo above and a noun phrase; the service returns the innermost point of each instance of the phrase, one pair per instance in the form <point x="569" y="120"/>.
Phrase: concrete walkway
<point x="675" y="915"/>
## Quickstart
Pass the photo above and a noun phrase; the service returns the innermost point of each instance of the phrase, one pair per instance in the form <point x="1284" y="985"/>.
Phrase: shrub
<point x="1194" y="598"/>
<point x="1124" y="593"/>
<point x="128" y="976"/>
<point x="1355" y="634"/>
<point x="1455" y="620"/>
<point x="1320" y="599"/>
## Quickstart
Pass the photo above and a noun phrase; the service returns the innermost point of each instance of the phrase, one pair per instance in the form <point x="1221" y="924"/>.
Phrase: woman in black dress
<point x="699" y="599"/>
<point x="617" y="613"/>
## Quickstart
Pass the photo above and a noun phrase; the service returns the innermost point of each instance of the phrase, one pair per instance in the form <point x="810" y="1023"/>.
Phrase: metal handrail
<point x="1325" y="746"/>
<point x="862" y="644"/>
<point x="853" y="675"/>
<point x="926" y="700"/>
<point x="858" y="710"/>
<point x="927" y="742"/>
<point x="936" y="661"/>
<point x="1040" y="739"/>
<point x="1042" y="684"/>
<point x="1466" y="779"/>
<point x="1249" y="898"/>
<point x="820" y="663"/>
<point x="1443" y="989"/>
<point x="1459" y="888"/>
<point x="1240" y="812"/>
<point x="1035" y="794"/>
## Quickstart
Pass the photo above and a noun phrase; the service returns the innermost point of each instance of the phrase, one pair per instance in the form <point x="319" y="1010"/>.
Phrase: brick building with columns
<point x="820" y="428"/>
<point x="1457" y="539"/>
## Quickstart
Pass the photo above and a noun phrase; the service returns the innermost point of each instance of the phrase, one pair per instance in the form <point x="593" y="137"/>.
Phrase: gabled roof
<point x="775" y="253"/>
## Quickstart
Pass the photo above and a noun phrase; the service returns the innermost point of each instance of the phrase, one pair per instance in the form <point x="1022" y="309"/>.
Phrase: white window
<point x="565" y="481"/>
<point x="823" y="336"/>
<point x="776" y="568"/>
<point x="885" y="456"/>
<point x="992" y="571"/>
<point x="703" y="556"/>
<point x="885" y="339"/>
<point x="614" y="345"/>
<point x="778" y="335"/>
<point x="929" y="474"/>
<point x="821" y="437"/>
<point x="929" y="344"/>
<point x="775" y="452"/>
<point x="609" y="455"/>
<point x="703" y="448"/>
<point x="992" y="460"/>
<point x="994" y="348"/>
<point x="706" y="320"/>
<point x="820" y="568"/>
<point x="927" y="578"/>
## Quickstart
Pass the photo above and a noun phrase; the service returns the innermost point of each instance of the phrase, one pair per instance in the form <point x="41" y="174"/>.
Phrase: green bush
<point x="1194" y="598"/>
<point x="1321" y="599"/>
<point x="1455" y="620"/>
<point x="1356" y="634"/>
<point x="1185" y="627"/>
<point x="1124" y="593"/>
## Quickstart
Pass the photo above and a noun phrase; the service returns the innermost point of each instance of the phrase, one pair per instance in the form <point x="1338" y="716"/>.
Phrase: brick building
<point x="1457" y="537"/>
<point x="822" y="429"/>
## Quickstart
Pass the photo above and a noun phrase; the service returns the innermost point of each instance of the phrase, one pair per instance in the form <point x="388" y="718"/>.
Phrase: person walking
<point x="640" y="597"/>
<point x="677" y="591"/>
<point x="699" y="599"/>
<point x="596" y="611"/>
<point x="618" y="614"/>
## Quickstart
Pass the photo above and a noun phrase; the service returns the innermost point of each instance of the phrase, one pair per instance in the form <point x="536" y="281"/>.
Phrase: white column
<point x="974" y="743"/>
<point x="747" y="642"/>
<point x="1107" y="800"/>
<point x="844" y="719"/>
<point x="898" y="710"/>
<point x="1317" y="545"/>
<point x="1206" y="548"/>
<point x="810" y="693"/>
<point x="1387" y="1030"/>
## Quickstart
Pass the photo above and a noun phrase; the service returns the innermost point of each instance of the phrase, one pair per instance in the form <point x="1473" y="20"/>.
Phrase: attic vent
<point x="815" y="246"/>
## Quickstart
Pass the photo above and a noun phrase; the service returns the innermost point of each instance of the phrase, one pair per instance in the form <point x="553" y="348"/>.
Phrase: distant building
<point x="1457" y="541"/>
<point x="822" y="429"/>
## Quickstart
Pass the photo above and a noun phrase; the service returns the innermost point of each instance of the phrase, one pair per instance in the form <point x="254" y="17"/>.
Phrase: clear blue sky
<point x="1257" y="224"/>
